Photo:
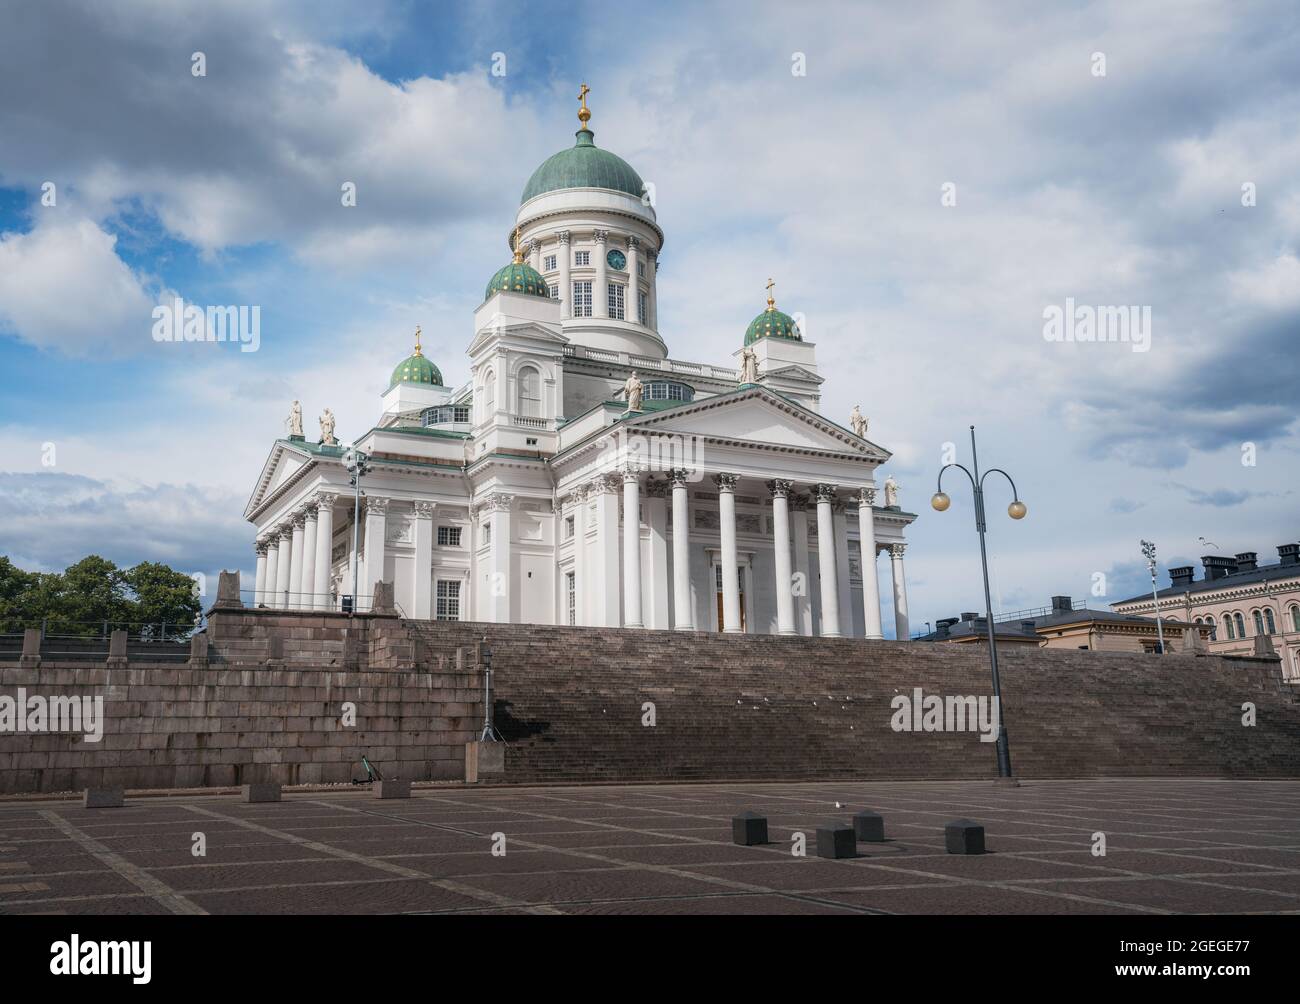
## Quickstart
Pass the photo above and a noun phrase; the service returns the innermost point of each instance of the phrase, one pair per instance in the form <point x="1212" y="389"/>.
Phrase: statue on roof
<point x="633" y="388"/>
<point x="295" y="419"/>
<point x="891" y="491"/>
<point x="748" y="366"/>
<point x="858" y="422"/>
<point x="327" y="429"/>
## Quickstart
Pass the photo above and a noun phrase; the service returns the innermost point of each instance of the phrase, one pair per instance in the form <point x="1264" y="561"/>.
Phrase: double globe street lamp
<point x="1016" y="510"/>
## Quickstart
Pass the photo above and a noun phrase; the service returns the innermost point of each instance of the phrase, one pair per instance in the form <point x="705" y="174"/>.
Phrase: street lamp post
<point x="1149" y="551"/>
<point x="358" y="465"/>
<point x="1016" y="510"/>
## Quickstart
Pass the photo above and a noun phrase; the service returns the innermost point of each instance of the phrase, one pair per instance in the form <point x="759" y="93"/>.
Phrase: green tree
<point x="93" y="591"/>
<point x="162" y="595"/>
<point x="15" y="585"/>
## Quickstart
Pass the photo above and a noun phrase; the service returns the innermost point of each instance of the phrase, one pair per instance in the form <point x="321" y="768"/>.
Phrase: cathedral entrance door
<point x="717" y="582"/>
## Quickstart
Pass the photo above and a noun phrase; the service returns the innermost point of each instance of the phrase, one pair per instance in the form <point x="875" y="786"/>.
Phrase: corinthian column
<point x="566" y="287"/>
<point x="600" y="294"/>
<point x="901" y="629"/>
<point x="730" y="562"/>
<point x="683" y="615"/>
<point x="781" y="552"/>
<point x="259" y="589"/>
<point x="632" y="549"/>
<point x="320" y="583"/>
<point x="867" y="546"/>
<point x="826" y="561"/>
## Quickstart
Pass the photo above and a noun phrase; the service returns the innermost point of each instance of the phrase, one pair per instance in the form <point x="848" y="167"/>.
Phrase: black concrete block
<point x="869" y="826"/>
<point x="748" y="829"/>
<point x="836" y="840"/>
<point x="964" y="837"/>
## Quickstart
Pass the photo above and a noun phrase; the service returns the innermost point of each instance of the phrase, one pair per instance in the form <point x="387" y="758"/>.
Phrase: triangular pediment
<point x="756" y="415"/>
<point x="282" y="466"/>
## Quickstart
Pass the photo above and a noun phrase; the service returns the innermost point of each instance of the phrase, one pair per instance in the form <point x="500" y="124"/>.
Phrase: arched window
<point x="1268" y="620"/>
<point x="1227" y="627"/>
<point x="1214" y="628"/>
<point x="1259" y="622"/>
<point x="1241" y="625"/>
<point x="489" y="394"/>
<point x="1295" y="618"/>
<point x="530" y="393"/>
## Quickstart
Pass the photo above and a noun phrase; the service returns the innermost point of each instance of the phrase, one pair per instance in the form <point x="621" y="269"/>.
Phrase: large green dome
<point x="584" y="165"/>
<point x="772" y="323"/>
<point x="518" y="277"/>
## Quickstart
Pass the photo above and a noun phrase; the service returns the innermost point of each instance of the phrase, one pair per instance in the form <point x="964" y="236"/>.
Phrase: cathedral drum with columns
<point x="582" y="476"/>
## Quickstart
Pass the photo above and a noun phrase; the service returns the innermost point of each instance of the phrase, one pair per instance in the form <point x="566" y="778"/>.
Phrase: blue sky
<point x="1122" y="189"/>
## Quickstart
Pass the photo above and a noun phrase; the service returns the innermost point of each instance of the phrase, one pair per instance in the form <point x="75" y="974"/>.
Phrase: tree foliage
<point x="94" y="594"/>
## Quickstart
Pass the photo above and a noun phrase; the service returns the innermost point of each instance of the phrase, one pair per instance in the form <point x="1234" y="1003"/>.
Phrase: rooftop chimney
<point x="1289" y="554"/>
<point x="1182" y="576"/>
<point x="1246" y="561"/>
<point x="1217" y="567"/>
<point x="1062" y="604"/>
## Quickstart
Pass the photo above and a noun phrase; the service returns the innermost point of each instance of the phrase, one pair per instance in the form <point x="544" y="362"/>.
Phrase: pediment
<point x="758" y="416"/>
<point x="282" y="465"/>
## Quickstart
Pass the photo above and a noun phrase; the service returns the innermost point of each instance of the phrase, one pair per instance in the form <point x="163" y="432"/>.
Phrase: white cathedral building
<point x="583" y="476"/>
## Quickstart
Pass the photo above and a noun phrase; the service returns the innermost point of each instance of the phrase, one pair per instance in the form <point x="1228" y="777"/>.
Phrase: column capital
<point x="896" y="550"/>
<point x="825" y="492"/>
<point x="311" y="509"/>
<point x="284" y="531"/>
<point x="424" y="510"/>
<point x="563" y="235"/>
<point x="779" y="488"/>
<point x="633" y="242"/>
<point x="866" y="497"/>
<point x="376" y="504"/>
<point x="299" y="518"/>
<point x="679" y="477"/>
<point x="726" y="482"/>
<point x="261" y="547"/>
<point x="630" y="475"/>
<point x="605" y="484"/>
<point x="327" y="500"/>
<point x="496" y="502"/>
<point x="601" y="236"/>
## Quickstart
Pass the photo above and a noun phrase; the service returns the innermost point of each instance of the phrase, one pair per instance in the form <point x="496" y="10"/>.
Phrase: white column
<point x="599" y="293"/>
<point x="535" y="255"/>
<point x="581" y="578"/>
<point x="500" y="585"/>
<point x="842" y="587"/>
<point x="867" y="544"/>
<point x="565" y="256"/>
<point x="654" y="565"/>
<point x="324" y="552"/>
<point x="632" y="549"/>
<point x="683" y="615"/>
<point x="307" y="583"/>
<point x="376" y="534"/>
<point x="272" y="568"/>
<point x="781" y="551"/>
<point x="730" y="564"/>
<point x="901" y="630"/>
<point x="633" y="283"/>
<point x="295" y="564"/>
<point x="826" y="561"/>
<point x="605" y="581"/>
<point x="652" y="278"/>
<point x="802" y="565"/>
<point x="282" y="568"/>
<point x="259" y="589"/>
<point x="422" y="579"/>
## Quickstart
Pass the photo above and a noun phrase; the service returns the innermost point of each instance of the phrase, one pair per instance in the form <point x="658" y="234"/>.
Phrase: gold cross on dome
<point x="582" y="95"/>
<point x="417" y="339"/>
<point x="584" y="114"/>
<point x="770" y="302"/>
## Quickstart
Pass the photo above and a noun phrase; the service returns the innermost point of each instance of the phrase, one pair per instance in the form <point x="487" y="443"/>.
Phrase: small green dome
<point x="772" y="323"/>
<point x="584" y="165"/>
<point x="518" y="277"/>
<point x="416" y="369"/>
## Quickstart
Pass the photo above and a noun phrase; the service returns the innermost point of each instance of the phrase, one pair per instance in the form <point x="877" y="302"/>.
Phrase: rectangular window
<point x="615" y="300"/>
<point x="571" y="589"/>
<point x="582" y="299"/>
<point x="640" y="308"/>
<point x="640" y="269"/>
<point x="568" y="527"/>
<point x="449" y="536"/>
<point x="548" y="263"/>
<point x="582" y="257"/>
<point x="487" y="534"/>
<point x="448" y="600"/>
<point x="555" y="291"/>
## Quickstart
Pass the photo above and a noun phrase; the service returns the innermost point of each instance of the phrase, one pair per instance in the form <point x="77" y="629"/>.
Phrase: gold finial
<point x="417" y="341"/>
<point x="584" y="114"/>
<point x="519" y="249"/>
<point x="771" y="303"/>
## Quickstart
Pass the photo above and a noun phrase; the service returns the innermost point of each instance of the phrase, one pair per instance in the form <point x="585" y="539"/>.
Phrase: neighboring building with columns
<point x="582" y="475"/>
